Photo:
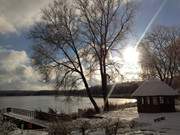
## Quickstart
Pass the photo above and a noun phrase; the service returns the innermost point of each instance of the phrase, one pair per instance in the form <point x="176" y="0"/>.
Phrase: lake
<point x="61" y="103"/>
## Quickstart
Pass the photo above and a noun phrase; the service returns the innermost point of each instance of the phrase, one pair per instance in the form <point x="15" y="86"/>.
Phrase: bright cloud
<point x="5" y="26"/>
<point x="16" y="72"/>
<point x="17" y="14"/>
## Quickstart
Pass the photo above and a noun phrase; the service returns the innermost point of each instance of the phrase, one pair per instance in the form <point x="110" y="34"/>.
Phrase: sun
<point x="129" y="59"/>
<point x="131" y="67"/>
<point x="130" y="55"/>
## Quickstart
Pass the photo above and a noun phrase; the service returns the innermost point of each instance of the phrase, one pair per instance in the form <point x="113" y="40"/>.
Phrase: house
<point x="154" y="96"/>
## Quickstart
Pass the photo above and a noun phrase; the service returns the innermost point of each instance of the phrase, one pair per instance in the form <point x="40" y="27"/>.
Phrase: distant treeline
<point x="120" y="90"/>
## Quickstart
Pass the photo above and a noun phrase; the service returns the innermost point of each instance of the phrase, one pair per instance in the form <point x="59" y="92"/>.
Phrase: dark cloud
<point x="16" y="72"/>
<point x="17" y="14"/>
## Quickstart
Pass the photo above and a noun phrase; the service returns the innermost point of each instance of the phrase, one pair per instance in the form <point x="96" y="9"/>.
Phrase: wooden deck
<point x="25" y="116"/>
<point x="31" y="120"/>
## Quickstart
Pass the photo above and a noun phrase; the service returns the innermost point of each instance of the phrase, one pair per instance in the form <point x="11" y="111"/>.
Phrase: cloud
<point x="6" y="26"/>
<point x="17" y="14"/>
<point x="16" y="72"/>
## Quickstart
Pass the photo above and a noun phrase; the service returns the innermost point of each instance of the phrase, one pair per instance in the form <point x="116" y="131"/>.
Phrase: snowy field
<point x="169" y="126"/>
<point x="131" y="123"/>
<point x="145" y="124"/>
<point x="28" y="132"/>
<point x="145" y="121"/>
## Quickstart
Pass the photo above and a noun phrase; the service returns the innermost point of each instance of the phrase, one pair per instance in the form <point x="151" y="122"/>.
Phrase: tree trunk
<point x="90" y="95"/>
<point x="104" y="86"/>
<point x="105" y="93"/>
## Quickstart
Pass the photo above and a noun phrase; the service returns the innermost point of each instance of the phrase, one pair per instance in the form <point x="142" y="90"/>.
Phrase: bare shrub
<point x="7" y="127"/>
<point x="58" y="128"/>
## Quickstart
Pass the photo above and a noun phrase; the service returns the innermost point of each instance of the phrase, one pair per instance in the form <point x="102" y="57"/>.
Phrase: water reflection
<point x="60" y="103"/>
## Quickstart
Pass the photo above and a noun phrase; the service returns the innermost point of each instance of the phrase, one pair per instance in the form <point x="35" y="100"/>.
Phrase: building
<point x="154" y="96"/>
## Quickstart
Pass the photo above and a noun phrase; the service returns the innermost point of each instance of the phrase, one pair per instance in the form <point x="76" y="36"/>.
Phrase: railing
<point x="36" y="114"/>
<point x="4" y="110"/>
<point x="28" y="117"/>
<point x="28" y="113"/>
<point x="24" y="112"/>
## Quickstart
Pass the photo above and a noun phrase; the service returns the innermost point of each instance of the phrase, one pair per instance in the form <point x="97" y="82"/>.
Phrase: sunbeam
<point x="151" y="22"/>
<point x="142" y="36"/>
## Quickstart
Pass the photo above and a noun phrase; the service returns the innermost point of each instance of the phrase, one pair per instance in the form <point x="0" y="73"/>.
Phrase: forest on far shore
<point x="120" y="90"/>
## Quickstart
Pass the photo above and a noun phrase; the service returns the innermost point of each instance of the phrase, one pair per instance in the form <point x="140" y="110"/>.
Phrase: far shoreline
<point x="95" y="96"/>
<point x="73" y="93"/>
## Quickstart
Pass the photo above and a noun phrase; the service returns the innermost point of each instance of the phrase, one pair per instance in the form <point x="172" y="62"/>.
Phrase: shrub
<point x="7" y="127"/>
<point x="58" y="128"/>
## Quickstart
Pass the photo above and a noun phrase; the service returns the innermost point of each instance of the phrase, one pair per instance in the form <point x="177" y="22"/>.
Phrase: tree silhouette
<point x="160" y="53"/>
<point x="75" y="39"/>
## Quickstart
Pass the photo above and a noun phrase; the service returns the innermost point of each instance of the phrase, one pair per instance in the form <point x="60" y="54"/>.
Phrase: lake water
<point x="60" y="103"/>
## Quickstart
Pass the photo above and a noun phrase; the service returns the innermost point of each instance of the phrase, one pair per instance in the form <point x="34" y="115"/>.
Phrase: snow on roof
<point x="154" y="88"/>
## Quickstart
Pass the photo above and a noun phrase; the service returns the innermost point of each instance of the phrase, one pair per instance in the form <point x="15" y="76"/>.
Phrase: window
<point x="155" y="100"/>
<point x="139" y="100"/>
<point x="161" y="100"/>
<point x="148" y="101"/>
<point x="142" y="100"/>
<point x="167" y="101"/>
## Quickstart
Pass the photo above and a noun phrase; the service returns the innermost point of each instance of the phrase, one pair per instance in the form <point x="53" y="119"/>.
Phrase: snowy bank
<point x="169" y="126"/>
<point x="132" y="123"/>
<point x="112" y="123"/>
<point x="28" y="132"/>
<point x="125" y="122"/>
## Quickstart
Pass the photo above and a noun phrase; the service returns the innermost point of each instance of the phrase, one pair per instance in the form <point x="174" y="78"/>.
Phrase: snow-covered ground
<point x="131" y="123"/>
<point x="144" y="122"/>
<point x="169" y="126"/>
<point x="125" y="114"/>
<point x="28" y="132"/>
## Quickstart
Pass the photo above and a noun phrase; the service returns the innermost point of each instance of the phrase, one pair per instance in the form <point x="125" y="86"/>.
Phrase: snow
<point x="144" y="122"/>
<point x="154" y="87"/>
<point x="131" y="123"/>
<point x="28" y="132"/>
<point x="127" y="114"/>
<point x="169" y="126"/>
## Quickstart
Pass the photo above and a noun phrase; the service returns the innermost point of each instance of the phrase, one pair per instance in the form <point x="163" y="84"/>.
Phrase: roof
<point x="154" y="88"/>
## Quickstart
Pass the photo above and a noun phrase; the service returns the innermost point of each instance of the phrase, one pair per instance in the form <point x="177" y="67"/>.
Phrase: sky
<point x="17" y="17"/>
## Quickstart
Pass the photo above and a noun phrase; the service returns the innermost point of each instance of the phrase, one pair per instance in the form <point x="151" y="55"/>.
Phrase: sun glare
<point x="130" y="55"/>
<point x="131" y="67"/>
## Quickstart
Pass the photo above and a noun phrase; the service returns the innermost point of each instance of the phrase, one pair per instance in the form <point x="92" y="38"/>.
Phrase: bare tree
<point x="106" y="22"/>
<point x="160" y="53"/>
<point x="77" y="39"/>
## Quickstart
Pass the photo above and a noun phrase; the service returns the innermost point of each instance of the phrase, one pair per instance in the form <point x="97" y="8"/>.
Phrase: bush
<point x="52" y="111"/>
<point x="58" y="128"/>
<point x="7" y="127"/>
